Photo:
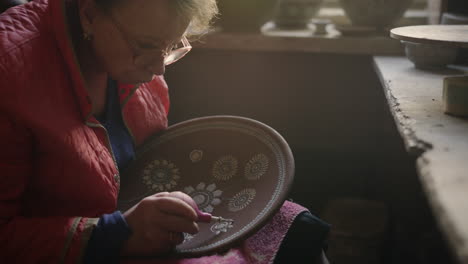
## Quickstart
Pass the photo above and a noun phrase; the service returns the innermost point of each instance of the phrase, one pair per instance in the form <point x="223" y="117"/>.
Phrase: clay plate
<point x="233" y="167"/>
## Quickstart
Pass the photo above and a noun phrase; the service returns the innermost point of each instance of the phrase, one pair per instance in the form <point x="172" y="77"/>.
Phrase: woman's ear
<point x="88" y="12"/>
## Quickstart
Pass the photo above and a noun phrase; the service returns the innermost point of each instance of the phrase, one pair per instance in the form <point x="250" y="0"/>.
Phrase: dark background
<point x="332" y="111"/>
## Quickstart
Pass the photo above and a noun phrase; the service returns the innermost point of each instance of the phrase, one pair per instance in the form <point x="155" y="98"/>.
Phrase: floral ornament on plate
<point x="221" y="227"/>
<point x="160" y="175"/>
<point x="196" y="155"/>
<point x="225" y="167"/>
<point x="206" y="197"/>
<point x="187" y="237"/>
<point x="256" y="167"/>
<point x="241" y="199"/>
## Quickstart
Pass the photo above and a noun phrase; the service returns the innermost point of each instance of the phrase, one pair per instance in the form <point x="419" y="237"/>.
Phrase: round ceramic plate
<point x="233" y="167"/>
<point x="448" y="35"/>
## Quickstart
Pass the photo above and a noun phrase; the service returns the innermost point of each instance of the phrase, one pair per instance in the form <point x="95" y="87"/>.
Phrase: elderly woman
<point x="82" y="87"/>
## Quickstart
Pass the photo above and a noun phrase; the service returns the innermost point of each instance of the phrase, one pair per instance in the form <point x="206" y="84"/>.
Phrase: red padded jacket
<point x="57" y="172"/>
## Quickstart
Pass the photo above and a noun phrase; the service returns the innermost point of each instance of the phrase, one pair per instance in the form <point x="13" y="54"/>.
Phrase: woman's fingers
<point x="158" y="223"/>
<point x="175" y="206"/>
<point x="176" y="223"/>
<point x="176" y="238"/>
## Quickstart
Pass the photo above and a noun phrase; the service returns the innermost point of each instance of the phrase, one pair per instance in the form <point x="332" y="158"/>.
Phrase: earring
<point x="87" y="36"/>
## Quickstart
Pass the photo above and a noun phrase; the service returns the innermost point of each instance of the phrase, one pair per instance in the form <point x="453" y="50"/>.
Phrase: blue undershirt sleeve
<point x="107" y="239"/>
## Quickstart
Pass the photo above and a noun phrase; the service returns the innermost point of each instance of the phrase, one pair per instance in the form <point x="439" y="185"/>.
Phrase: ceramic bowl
<point x="453" y="19"/>
<point x="233" y="167"/>
<point x="296" y="13"/>
<point x="429" y="56"/>
<point x="245" y="15"/>
<point x="375" y="13"/>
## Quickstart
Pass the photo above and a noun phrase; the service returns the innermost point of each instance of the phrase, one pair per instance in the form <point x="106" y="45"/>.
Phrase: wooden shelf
<point x="439" y="142"/>
<point x="301" y="41"/>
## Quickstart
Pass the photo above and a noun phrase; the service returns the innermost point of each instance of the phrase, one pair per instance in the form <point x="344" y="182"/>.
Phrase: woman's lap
<point x="305" y="239"/>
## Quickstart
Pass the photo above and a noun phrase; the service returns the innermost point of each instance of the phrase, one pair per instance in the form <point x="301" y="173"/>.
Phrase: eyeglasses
<point x="143" y="56"/>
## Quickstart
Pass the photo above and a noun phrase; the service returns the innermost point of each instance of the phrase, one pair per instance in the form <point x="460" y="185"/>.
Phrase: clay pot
<point x="375" y="13"/>
<point x="296" y="13"/>
<point x="245" y="15"/>
<point x="429" y="56"/>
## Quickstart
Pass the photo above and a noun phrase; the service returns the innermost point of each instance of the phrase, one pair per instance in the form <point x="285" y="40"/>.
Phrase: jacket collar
<point x="61" y="13"/>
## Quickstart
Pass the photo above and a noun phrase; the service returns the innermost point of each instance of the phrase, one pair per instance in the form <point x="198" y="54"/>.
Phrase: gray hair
<point x="200" y="13"/>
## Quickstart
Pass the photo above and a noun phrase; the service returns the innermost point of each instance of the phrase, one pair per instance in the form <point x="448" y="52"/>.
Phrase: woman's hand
<point x="157" y="223"/>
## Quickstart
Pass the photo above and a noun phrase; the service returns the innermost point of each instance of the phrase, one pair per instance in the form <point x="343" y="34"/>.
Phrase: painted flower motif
<point x="225" y="167"/>
<point x="160" y="175"/>
<point x="256" y="167"/>
<point x="196" y="155"/>
<point x="206" y="197"/>
<point x="187" y="237"/>
<point x="221" y="226"/>
<point x="241" y="200"/>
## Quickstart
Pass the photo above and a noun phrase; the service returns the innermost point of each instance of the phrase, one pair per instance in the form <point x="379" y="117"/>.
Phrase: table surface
<point x="449" y="35"/>
<point x="439" y="141"/>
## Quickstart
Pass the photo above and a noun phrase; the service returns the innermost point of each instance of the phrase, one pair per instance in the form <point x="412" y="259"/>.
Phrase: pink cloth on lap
<point x="260" y="248"/>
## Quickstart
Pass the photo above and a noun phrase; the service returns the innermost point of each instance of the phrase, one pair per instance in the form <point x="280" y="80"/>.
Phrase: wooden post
<point x="435" y="9"/>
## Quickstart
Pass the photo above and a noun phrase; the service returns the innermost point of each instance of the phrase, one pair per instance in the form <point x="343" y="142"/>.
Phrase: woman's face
<point x="140" y="29"/>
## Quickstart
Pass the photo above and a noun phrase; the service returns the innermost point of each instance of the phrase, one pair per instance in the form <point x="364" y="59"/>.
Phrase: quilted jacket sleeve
<point x="31" y="240"/>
